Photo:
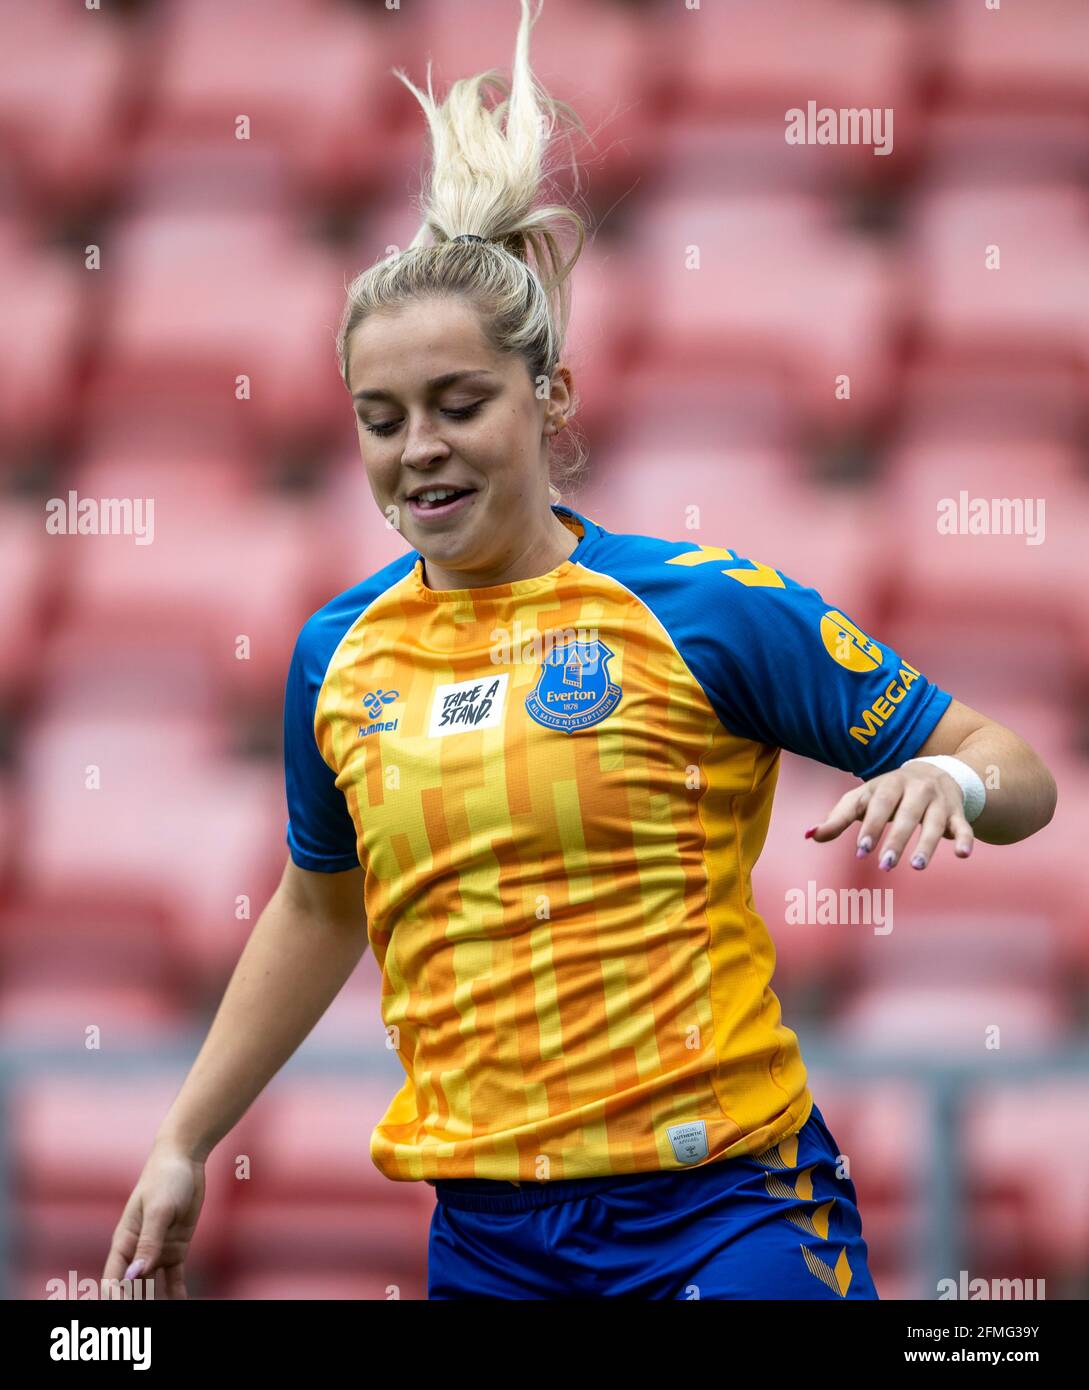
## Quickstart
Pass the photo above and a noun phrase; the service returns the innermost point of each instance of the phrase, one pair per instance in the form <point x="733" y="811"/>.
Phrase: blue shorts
<point x="781" y="1226"/>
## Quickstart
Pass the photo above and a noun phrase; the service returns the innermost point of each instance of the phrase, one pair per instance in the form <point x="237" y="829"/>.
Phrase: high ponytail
<point x="488" y="165"/>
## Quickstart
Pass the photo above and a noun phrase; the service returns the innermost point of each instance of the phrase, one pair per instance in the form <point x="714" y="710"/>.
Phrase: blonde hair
<point x="487" y="167"/>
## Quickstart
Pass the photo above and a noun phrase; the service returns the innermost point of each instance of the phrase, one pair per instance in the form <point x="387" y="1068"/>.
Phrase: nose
<point x="423" y="444"/>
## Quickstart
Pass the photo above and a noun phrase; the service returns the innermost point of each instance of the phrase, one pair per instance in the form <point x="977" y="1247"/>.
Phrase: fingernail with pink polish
<point x="918" y="861"/>
<point x="134" y="1269"/>
<point x="864" y="847"/>
<point x="888" y="859"/>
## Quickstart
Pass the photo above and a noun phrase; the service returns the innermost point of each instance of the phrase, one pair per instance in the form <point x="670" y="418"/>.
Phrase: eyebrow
<point x="436" y="381"/>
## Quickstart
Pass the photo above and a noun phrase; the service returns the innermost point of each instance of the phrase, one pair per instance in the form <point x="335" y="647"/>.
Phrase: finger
<point x="149" y="1247"/>
<point x="934" y="822"/>
<point x="960" y="831"/>
<point x="912" y="808"/>
<point x="884" y="800"/>
<point x="175" y="1281"/>
<point x="123" y="1247"/>
<point x="847" y="809"/>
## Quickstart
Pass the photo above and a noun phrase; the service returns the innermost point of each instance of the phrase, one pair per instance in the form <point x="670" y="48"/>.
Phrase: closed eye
<point x="387" y="427"/>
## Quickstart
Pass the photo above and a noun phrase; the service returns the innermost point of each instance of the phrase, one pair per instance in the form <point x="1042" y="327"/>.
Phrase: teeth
<point x="436" y="494"/>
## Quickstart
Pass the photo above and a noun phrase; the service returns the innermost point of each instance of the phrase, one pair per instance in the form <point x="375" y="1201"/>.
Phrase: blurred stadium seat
<point x="69" y="962"/>
<point x="881" y="1130"/>
<point x="808" y="955"/>
<point x="173" y="818"/>
<point x="776" y="284"/>
<point x="45" y="296"/>
<point x="68" y="145"/>
<point x="311" y="76"/>
<point x="1002" y="272"/>
<point x="744" y="498"/>
<point x="1023" y="57"/>
<point x="1028" y="1186"/>
<point x="202" y="299"/>
<point x="615" y="83"/>
<point x="314" y="1200"/>
<point x="27" y="585"/>
<point x="251" y="582"/>
<point x="78" y="1144"/>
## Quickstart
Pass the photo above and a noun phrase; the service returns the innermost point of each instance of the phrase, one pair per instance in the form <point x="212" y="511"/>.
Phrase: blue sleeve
<point x="320" y="832"/>
<point x="783" y="666"/>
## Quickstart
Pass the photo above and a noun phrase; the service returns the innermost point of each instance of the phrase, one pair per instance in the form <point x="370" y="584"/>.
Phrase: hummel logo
<point x="375" y="699"/>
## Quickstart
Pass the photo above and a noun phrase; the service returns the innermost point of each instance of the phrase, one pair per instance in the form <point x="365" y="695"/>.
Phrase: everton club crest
<point x="573" y="690"/>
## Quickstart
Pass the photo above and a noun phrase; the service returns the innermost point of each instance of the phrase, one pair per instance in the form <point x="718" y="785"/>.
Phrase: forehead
<point x="427" y="338"/>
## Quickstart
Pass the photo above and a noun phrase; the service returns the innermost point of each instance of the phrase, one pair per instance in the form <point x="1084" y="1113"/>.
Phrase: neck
<point x="538" y="555"/>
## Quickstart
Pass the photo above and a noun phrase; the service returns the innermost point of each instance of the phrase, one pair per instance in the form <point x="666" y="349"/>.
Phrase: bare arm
<point x="1021" y="794"/>
<point x="304" y="946"/>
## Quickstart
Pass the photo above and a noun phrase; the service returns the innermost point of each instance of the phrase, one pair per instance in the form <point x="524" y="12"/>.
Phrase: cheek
<point x="380" y="467"/>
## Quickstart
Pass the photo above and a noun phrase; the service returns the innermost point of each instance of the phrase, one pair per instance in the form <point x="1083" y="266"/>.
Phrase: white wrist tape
<point x="967" y="778"/>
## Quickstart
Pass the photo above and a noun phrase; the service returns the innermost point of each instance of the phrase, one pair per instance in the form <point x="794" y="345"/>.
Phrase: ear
<point x="563" y="389"/>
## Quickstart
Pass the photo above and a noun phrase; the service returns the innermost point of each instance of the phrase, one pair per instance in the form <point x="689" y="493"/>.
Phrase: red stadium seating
<point x="8" y="829"/>
<point x="224" y="567"/>
<point x="970" y="146"/>
<point x="315" y="1201"/>
<point x="751" y="55"/>
<point x="950" y="1019"/>
<point x="27" y="584"/>
<point x="1028" y="1181"/>
<point x="670" y="405"/>
<point x="1035" y="305"/>
<point x="881" y="1127"/>
<point x="310" y="75"/>
<point x="46" y="295"/>
<point x="1022" y="581"/>
<point x="68" y="963"/>
<point x="618" y="107"/>
<point x="70" y="75"/>
<point x="749" y="499"/>
<point x="174" y="818"/>
<point x="33" y="1015"/>
<point x="808" y="954"/>
<point x="72" y="938"/>
<point x="1017" y="57"/>
<point x="293" y="1283"/>
<point x="984" y="402"/>
<point x="78" y="1147"/>
<point x="200" y="299"/>
<point x="779" y="286"/>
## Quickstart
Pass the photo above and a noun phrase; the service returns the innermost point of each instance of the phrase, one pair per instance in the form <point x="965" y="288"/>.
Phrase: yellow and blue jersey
<point x="557" y="788"/>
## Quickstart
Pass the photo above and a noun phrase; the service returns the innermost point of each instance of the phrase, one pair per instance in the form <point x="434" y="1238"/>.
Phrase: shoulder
<point x="700" y="584"/>
<point x="326" y="627"/>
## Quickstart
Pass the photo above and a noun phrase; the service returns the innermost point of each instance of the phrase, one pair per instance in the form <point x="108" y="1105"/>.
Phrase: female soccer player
<point x="541" y="756"/>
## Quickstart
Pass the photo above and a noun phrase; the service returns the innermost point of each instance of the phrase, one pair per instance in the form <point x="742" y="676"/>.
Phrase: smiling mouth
<point x="450" y="497"/>
<point x="421" y="508"/>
